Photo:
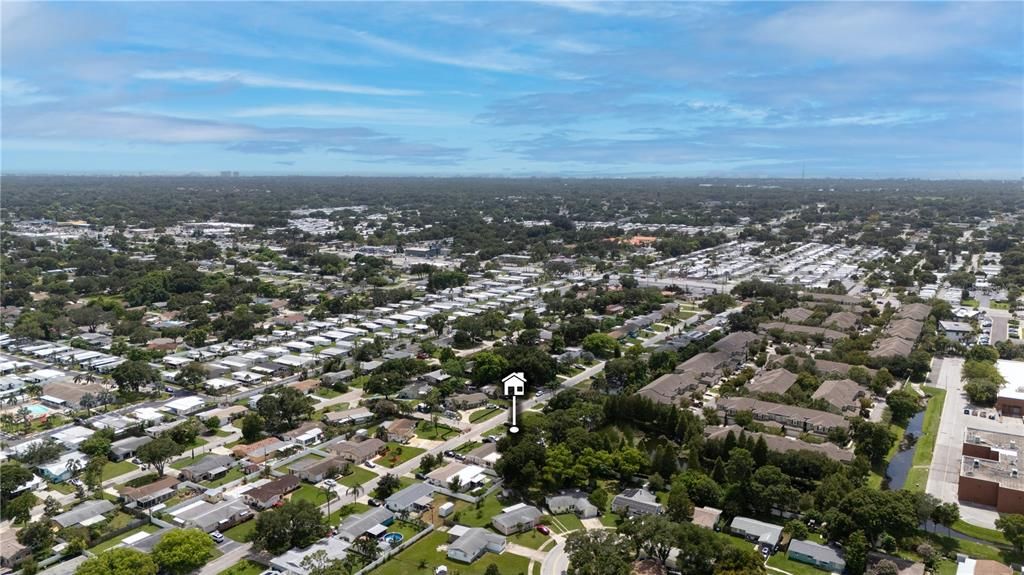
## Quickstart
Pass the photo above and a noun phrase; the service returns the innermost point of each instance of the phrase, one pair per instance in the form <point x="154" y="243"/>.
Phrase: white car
<point x="370" y="464"/>
<point x="330" y="482"/>
<point x="217" y="536"/>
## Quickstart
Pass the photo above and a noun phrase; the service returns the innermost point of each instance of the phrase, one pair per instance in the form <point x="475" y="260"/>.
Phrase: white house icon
<point x="515" y="384"/>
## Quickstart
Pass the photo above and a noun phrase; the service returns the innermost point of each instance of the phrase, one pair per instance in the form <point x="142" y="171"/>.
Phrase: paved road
<point x="228" y="559"/>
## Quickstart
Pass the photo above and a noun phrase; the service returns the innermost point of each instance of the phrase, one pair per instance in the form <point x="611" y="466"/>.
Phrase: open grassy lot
<point x="110" y="543"/>
<point x="334" y="519"/>
<point x="114" y="469"/>
<point x="533" y="539"/>
<point x="565" y="523"/>
<point x="397" y="454"/>
<point x="481" y="517"/>
<point x="780" y="561"/>
<point x="186" y="461"/>
<point x="483" y="414"/>
<point x="242" y="532"/>
<point x="244" y="567"/>
<point x="232" y="474"/>
<point x="424" y="552"/>
<point x="427" y="430"/>
<point x="326" y="393"/>
<point x="358" y="476"/>
<point x="314" y="495"/>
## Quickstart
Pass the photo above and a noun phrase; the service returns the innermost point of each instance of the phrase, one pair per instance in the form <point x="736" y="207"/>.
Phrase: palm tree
<point x="34" y="389"/>
<point x="87" y="401"/>
<point x="78" y="378"/>
<point x="73" y="466"/>
<point x="355" y="491"/>
<point x="25" y="416"/>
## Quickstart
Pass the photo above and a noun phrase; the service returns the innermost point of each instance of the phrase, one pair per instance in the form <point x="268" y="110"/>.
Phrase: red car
<point x="544" y="529"/>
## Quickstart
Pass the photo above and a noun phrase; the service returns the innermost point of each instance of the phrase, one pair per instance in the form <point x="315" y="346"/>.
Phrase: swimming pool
<point x="38" y="410"/>
<point x="393" y="539"/>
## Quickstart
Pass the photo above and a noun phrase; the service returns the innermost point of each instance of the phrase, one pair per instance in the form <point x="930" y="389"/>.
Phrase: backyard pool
<point x="38" y="410"/>
<point x="393" y="539"/>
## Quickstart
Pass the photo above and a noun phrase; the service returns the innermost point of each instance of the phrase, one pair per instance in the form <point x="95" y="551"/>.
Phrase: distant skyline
<point x="837" y="89"/>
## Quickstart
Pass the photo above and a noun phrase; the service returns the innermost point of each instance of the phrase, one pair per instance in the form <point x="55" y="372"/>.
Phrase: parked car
<point x="217" y="536"/>
<point x="375" y="502"/>
<point x="544" y="529"/>
<point x="370" y="464"/>
<point x="330" y="482"/>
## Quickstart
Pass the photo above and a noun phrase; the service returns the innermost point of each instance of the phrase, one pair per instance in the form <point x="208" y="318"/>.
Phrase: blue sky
<point x="573" y="88"/>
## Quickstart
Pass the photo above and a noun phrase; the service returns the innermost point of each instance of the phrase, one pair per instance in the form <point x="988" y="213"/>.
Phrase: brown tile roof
<point x="668" y="388"/>
<point x="149" y="488"/>
<point x="797" y="314"/>
<point x="774" y="381"/>
<point x="279" y="486"/>
<point x="840" y="393"/>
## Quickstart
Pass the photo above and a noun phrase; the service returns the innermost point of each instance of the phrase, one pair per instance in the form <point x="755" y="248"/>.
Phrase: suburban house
<point x="636" y="502"/>
<point x="309" y="433"/>
<point x="262" y="450"/>
<point x="467" y="476"/>
<point x="61" y="470"/>
<point x="517" y="518"/>
<point x="776" y="381"/>
<point x="402" y="430"/>
<point x="797" y="418"/>
<point x="571" y="501"/>
<point x="486" y="455"/>
<point x="12" y="553"/>
<point x="291" y="561"/>
<point x="269" y="494"/>
<point x="756" y="531"/>
<point x="470" y="543"/>
<point x="306" y="386"/>
<point x="373" y="523"/>
<point x="216" y="515"/>
<point x="671" y="388"/>
<point x="316" y="470"/>
<point x="127" y="447"/>
<point x="207" y="468"/>
<point x="842" y="394"/>
<point x="416" y="497"/>
<point x="706" y="517"/>
<point x="150" y="494"/>
<point x="356" y="415"/>
<point x="359" y="451"/>
<point x="780" y="444"/>
<point x="467" y="400"/>
<point x="85" y="513"/>
<point x="820" y="556"/>
<point x="957" y="331"/>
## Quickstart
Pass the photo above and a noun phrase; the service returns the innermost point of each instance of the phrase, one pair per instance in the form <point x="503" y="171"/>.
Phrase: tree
<point x="212" y="423"/>
<point x="252" y="427"/>
<point x="718" y="303"/>
<point x="133" y="374"/>
<point x="182" y="551"/>
<point x="119" y="561"/>
<point x="796" y="529"/>
<point x="387" y="486"/>
<point x="368" y="547"/>
<point x="946" y="514"/>
<point x="982" y="391"/>
<point x="679" y="506"/>
<point x="12" y="476"/>
<point x="856" y="553"/>
<point x="602" y="345"/>
<point x="92" y="475"/>
<point x="36" y="535"/>
<point x="294" y="524"/>
<point x="884" y="567"/>
<point x="492" y="569"/>
<point x="599" y="498"/>
<point x="488" y="368"/>
<point x="282" y="409"/>
<point x="437" y="322"/>
<point x="98" y="444"/>
<point x="873" y="440"/>
<point x="1012" y="527"/>
<point x="51" y="507"/>
<point x="196" y="337"/>
<point x="19" y="509"/>
<point x="158" y="452"/>
<point x="903" y="404"/>
<point x="192" y="376"/>
<point x="597" y="552"/>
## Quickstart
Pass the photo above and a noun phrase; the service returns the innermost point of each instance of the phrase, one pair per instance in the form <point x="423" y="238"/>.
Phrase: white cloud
<point x="213" y="76"/>
<point x="493" y="60"/>
<point x="406" y="116"/>
<point x="872" y="31"/>
<point x="18" y="92"/>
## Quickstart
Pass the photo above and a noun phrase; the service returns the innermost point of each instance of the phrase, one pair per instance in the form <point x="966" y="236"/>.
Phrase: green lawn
<point x="780" y="561"/>
<point x="969" y="303"/>
<point x="982" y="533"/>
<point x="427" y="430"/>
<point x="112" y="469"/>
<point x="312" y="494"/>
<point x="186" y="461"/>
<point x="917" y="479"/>
<point x="232" y="474"/>
<point x="467" y="447"/>
<point x="241" y="532"/>
<point x="112" y="542"/>
<point x="567" y="520"/>
<point x="243" y="567"/>
<point x="610" y="519"/>
<point x="397" y="454"/>
<point x="221" y="433"/>
<point x="63" y="488"/>
<point x="474" y="517"/>
<point x="483" y="414"/>
<point x="310" y="457"/>
<point x="336" y="516"/>
<point x="533" y="539"/>
<point x="358" y="476"/>
<point x="425" y="552"/>
<point x="197" y="442"/>
<point x="326" y="393"/>
<point x="999" y="305"/>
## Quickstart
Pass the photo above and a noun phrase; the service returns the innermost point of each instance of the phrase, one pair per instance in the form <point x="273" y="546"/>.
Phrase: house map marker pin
<point x="515" y="386"/>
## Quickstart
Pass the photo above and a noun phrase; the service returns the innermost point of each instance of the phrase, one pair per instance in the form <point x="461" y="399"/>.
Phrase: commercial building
<point x="989" y="474"/>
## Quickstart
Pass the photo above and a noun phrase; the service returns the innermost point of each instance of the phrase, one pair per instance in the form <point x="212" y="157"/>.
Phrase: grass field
<point x="427" y="430"/>
<point x="982" y="533"/>
<point x="424" y="552"/>
<point x="489" y="507"/>
<point x="397" y="454"/>
<point x="241" y="532"/>
<point x="232" y="474"/>
<point x="326" y="393"/>
<point x="917" y="478"/>
<point x="114" y="469"/>
<point x="999" y="305"/>
<point x="108" y="544"/>
<point x="565" y="522"/>
<point x="63" y="488"/>
<point x="314" y="495"/>
<point x="610" y="520"/>
<point x="467" y="447"/>
<point x="186" y="461"/>
<point x="483" y="414"/>
<point x="358" y="476"/>
<point x="533" y="539"/>
<point x="244" y="567"/>
<point x="780" y="561"/>
<point x="336" y="516"/>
